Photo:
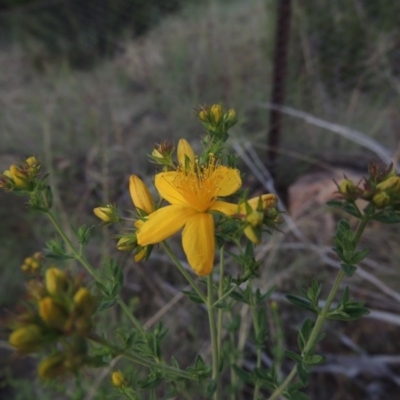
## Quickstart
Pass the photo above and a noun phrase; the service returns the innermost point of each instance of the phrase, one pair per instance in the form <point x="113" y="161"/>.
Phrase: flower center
<point x="199" y="184"/>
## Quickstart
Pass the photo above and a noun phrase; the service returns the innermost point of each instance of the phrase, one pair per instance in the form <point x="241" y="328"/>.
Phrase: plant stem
<point x="213" y="334"/>
<point x="220" y="291"/>
<point x="183" y="271"/>
<point x="322" y="316"/>
<point x="78" y="256"/>
<point x="253" y="308"/>
<point x="141" y="360"/>
<point x="131" y="317"/>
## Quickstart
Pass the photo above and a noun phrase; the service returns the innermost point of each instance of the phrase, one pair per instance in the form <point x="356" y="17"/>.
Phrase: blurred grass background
<point x="89" y="88"/>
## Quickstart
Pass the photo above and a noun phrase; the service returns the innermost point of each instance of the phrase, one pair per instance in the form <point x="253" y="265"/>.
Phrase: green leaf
<point x="243" y="375"/>
<point x="301" y="303"/>
<point x="302" y="373"/>
<point x="151" y="382"/>
<point x="335" y="203"/>
<point x="348" y="269"/>
<point x="174" y="362"/>
<point x="193" y="296"/>
<point x="304" y="333"/>
<point x="296" y="396"/>
<point x="106" y="304"/>
<point x="294" y="356"/>
<point x="388" y="217"/>
<point x="359" y="256"/>
<point x="211" y="389"/>
<point x="314" y="360"/>
<point x="351" y="208"/>
<point x="260" y="298"/>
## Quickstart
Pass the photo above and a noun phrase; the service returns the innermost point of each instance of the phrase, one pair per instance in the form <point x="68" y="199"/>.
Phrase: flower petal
<point x="163" y="223"/>
<point x="184" y="152"/>
<point x="224" y="207"/>
<point x="229" y="181"/>
<point x="165" y="185"/>
<point x="199" y="243"/>
<point x="140" y="194"/>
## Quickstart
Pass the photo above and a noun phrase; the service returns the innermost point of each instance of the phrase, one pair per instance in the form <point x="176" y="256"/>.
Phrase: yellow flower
<point x="140" y="195"/>
<point x="18" y="176"/>
<point x="192" y="194"/>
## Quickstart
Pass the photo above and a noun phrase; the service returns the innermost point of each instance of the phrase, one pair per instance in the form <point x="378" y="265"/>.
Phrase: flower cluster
<point x="56" y="316"/>
<point x="194" y="188"/>
<point x="23" y="177"/>
<point x="381" y="188"/>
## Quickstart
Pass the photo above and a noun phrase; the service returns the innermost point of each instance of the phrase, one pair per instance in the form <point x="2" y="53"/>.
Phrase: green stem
<point x="253" y="308"/>
<point x="131" y="317"/>
<point x="214" y="336"/>
<point x="141" y="360"/>
<point x="321" y="317"/>
<point x="225" y="295"/>
<point x="182" y="270"/>
<point x="78" y="256"/>
<point x="220" y="291"/>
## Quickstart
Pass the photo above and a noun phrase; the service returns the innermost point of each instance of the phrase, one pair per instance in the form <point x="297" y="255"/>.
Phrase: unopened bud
<point x="390" y="185"/>
<point x="348" y="189"/>
<point x="252" y="234"/>
<point x="52" y="366"/>
<point x="203" y="115"/>
<point x="53" y="313"/>
<point x="216" y="112"/>
<point x="84" y="302"/>
<point x="140" y="195"/>
<point x="56" y="281"/>
<point x="127" y="242"/>
<point x="255" y="218"/>
<point x="107" y="213"/>
<point x="381" y="200"/>
<point x="118" y="379"/>
<point x="27" y="338"/>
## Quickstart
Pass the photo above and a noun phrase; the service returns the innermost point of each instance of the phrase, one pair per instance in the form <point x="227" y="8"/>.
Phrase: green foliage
<point x="348" y="309"/>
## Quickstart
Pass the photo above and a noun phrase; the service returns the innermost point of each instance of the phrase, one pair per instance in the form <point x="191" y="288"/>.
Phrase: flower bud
<point x="53" y="313"/>
<point x="18" y="176"/>
<point x="203" y="115"/>
<point x="118" y="379"/>
<point x="255" y="218"/>
<point x="186" y="154"/>
<point x="32" y="167"/>
<point x="27" y="338"/>
<point x="52" y="366"/>
<point x="127" y="242"/>
<point x="107" y="213"/>
<point x="381" y="200"/>
<point x="252" y="234"/>
<point x="140" y="195"/>
<point x="84" y="302"/>
<point x="216" y="112"/>
<point x="390" y="185"/>
<point x="348" y="189"/>
<point x="56" y="281"/>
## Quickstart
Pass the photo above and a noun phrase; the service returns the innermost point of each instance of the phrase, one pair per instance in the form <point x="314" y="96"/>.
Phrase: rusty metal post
<point x="282" y="35"/>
